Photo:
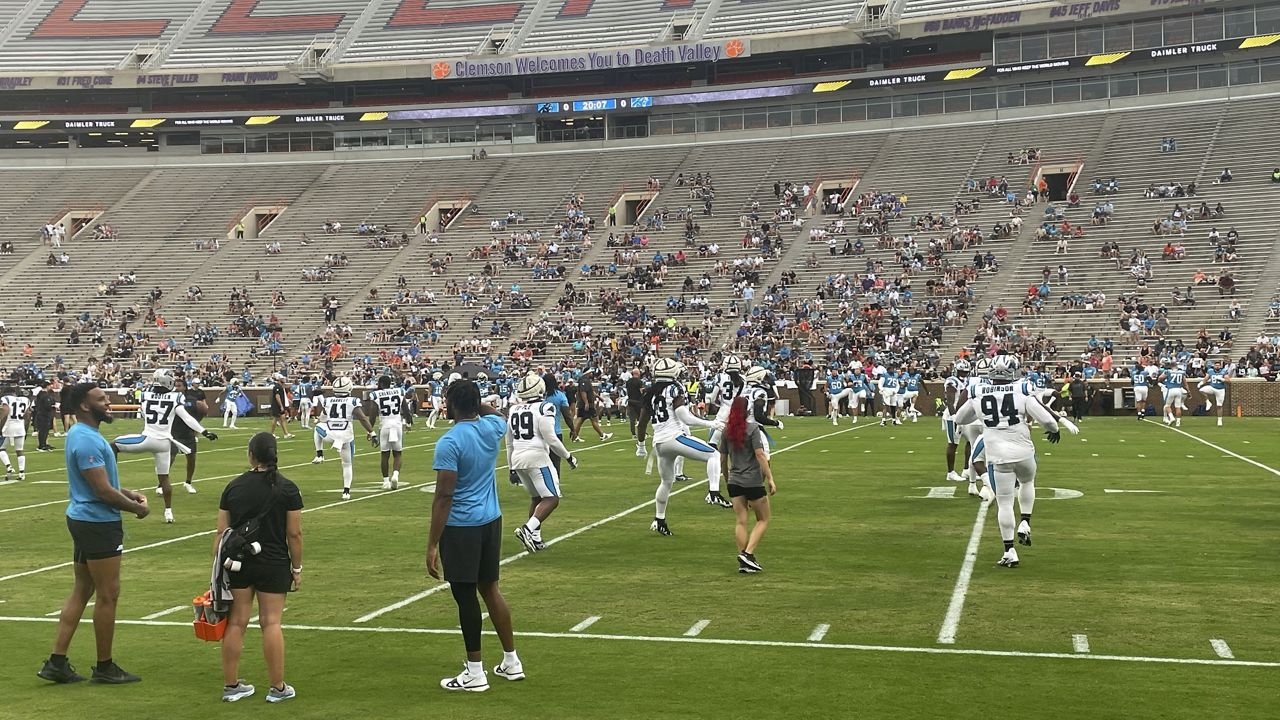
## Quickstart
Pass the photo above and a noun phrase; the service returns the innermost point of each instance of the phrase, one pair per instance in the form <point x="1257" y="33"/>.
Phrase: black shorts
<point x="95" y="540"/>
<point x="188" y="441"/>
<point x="276" y="411"/>
<point x="586" y="411"/>
<point x="470" y="554"/>
<point x="263" y="578"/>
<point x="750" y="493"/>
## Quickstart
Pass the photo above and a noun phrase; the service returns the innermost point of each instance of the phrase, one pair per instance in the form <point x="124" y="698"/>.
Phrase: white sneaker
<point x="288" y="436"/>
<point x="1024" y="533"/>
<point x="1009" y="559"/>
<point x="640" y="451"/>
<point x="897" y="421"/>
<point x="191" y="489"/>
<point x="1177" y="423"/>
<point x="973" y="489"/>
<point x="168" y="515"/>
<point x="986" y="494"/>
<point x="834" y="422"/>
<point x="605" y="437"/>
<point x="159" y="490"/>
<point x="466" y="682"/>
<point x="915" y="418"/>
<point x="317" y="460"/>
<point x="1219" y="422"/>
<point x="854" y="421"/>
<point x="510" y="672"/>
<point x="954" y="476"/>
<point x="386" y="484"/>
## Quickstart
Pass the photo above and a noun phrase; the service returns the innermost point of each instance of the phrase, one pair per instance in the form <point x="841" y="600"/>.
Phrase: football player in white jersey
<point x="952" y="388"/>
<point x="760" y="396"/>
<point x="389" y="401"/>
<point x="15" y="419"/>
<point x="1003" y="409"/>
<point x="531" y="438"/>
<point x="338" y="411"/>
<point x="1173" y="379"/>
<point x="160" y="406"/>
<point x="724" y="388"/>
<point x="972" y="431"/>
<point x="1214" y="388"/>
<point x="667" y="406"/>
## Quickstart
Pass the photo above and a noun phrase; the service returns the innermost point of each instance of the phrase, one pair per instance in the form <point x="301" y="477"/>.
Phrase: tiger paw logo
<point x="440" y="70"/>
<point x="734" y="48"/>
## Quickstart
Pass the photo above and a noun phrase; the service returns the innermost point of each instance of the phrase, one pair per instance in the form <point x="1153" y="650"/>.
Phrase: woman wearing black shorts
<point x="270" y="574"/>
<point x="746" y="468"/>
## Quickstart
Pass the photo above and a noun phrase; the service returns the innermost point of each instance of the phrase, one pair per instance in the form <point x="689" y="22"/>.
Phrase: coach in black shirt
<point x="635" y="398"/>
<point x="196" y="403"/>
<point x="42" y="415"/>
<point x="276" y="570"/>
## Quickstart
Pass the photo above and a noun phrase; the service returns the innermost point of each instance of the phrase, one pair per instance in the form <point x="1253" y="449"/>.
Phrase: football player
<point x="230" y="410"/>
<point x="889" y="396"/>
<point x="389" y="401"/>
<point x="1214" y="388"/>
<point x="861" y="392"/>
<point x="1002" y="410"/>
<point x="531" y="438"/>
<point x="760" y="396"/>
<point x="837" y="391"/>
<point x="436" y="387"/>
<point x="338" y="411"/>
<point x="159" y="407"/>
<point x="1138" y="375"/>
<point x="726" y="386"/>
<point x="1172" y="379"/>
<point x="303" y="394"/>
<point x="910" y="390"/>
<point x="15" y="420"/>
<point x="667" y="406"/>
<point x="952" y="389"/>
<point x="195" y="402"/>
<point x="972" y="431"/>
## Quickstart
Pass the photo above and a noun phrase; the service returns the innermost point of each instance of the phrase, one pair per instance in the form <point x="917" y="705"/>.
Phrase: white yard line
<point x="1080" y="643"/>
<point x="204" y="533"/>
<point x="1221" y="649"/>
<point x="198" y="480"/>
<point x="168" y="611"/>
<point x="819" y="632"/>
<point x="725" y="642"/>
<point x="585" y="624"/>
<point x="442" y="586"/>
<point x="697" y="628"/>
<point x="951" y="623"/>
<point x="1221" y="449"/>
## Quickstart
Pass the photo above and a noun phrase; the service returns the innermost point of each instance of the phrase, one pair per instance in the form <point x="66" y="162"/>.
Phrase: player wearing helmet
<point x="339" y="411"/>
<point x="667" y="406"/>
<point x="159" y="407"/>
<point x="531" y="438"/>
<point x="389" y="404"/>
<point x="952" y="388"/>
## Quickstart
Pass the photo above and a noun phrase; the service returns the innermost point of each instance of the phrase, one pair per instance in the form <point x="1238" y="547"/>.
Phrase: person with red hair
<point x="750" y="479"/>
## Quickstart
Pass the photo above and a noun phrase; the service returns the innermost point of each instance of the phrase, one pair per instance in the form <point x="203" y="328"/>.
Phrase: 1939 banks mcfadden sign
<point x="628" y="57"/>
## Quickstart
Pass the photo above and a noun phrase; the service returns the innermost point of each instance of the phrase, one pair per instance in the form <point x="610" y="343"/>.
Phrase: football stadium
<point x="715" y="358"/>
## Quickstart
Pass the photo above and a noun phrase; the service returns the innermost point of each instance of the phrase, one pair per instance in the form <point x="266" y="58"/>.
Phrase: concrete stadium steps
<point x="246" y="48"/>
<point x="606" y="23"/>
<point x="78" y="49"/>
<point x="1208" y="140"/>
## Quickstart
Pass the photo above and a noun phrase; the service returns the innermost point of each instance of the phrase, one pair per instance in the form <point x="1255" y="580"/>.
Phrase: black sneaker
<point x="748" y="560"/>
<point x="113" y="674"/>
<point x="718" y="500"/>
<point x="64" y="674"/>
<point x="683" y="478"/>
<point x="660" y="526"/>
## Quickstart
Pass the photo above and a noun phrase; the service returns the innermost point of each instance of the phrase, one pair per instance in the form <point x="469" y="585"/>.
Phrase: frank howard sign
<point x="632" y="57"/>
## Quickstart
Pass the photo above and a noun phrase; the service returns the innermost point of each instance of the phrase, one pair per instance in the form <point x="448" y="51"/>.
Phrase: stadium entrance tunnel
<point x="255" y="220"/>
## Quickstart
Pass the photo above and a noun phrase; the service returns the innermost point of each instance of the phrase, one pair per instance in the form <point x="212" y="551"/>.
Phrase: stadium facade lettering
<point x="592" y="60"/>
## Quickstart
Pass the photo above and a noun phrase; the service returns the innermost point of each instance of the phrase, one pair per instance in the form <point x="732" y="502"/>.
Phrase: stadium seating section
<point x="158" y="239"/>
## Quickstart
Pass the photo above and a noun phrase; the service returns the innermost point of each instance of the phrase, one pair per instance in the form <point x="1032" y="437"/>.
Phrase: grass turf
<point x="853" y="546"/>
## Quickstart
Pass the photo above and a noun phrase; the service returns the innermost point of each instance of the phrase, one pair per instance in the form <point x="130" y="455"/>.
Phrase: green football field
<point x="1150" y="592"/>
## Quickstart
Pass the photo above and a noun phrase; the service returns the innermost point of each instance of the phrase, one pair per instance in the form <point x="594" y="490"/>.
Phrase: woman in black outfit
<point x="274" y="571"/>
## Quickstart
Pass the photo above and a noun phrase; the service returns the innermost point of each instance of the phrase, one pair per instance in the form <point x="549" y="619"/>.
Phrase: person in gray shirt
<point x="746" y="469"/>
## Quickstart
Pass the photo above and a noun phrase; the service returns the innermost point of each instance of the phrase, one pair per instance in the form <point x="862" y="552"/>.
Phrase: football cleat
<point x="605" y="437"/>
<point x="954" y="476"/>
<point x="659" y="526"/>
<point x="525" y="535"/>
<point x="986" y="494"/>
<point x="640" y="451"/>
<point x="1024" y="533"/>
<point x="683" y="478"/>
<point x="897" y="421"/>
<point x="317" y="460"/>
<point x="386" y="483"/>
<point x="715" y="498"/>
<point x="539" y="545"/>
<point x="346" y="494"/>
<point x="1009" y="559"/>
<point x="159" y="490"/>
<point x="1176" y="423"/>
<point x="973" y="489"/>
<point x="168" y="516"/>
<point x="191" y="489"/>
<point x="854" y="421"/>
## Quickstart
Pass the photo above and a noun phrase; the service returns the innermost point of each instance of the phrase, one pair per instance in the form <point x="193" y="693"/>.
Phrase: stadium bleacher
<point x="735" y="16"/>
<point x="96" y="36"/>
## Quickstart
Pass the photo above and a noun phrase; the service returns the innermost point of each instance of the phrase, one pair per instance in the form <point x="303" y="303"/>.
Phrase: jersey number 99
<point x="522" y="425"/>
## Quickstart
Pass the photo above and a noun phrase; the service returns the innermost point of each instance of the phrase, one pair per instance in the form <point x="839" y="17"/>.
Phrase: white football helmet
<point x="531" y="387"/>
<point x="667" y="369"/>
<point x="342" y="385"/>
<point x="163" y="377"/>
<point x="1004" y="368"/>
<point x="482" y="376"/>
<point x="963" y="367"/>
<point x="755" y="374"/>
<point x="733" y="364"/>
<point x="983" y="367"/>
